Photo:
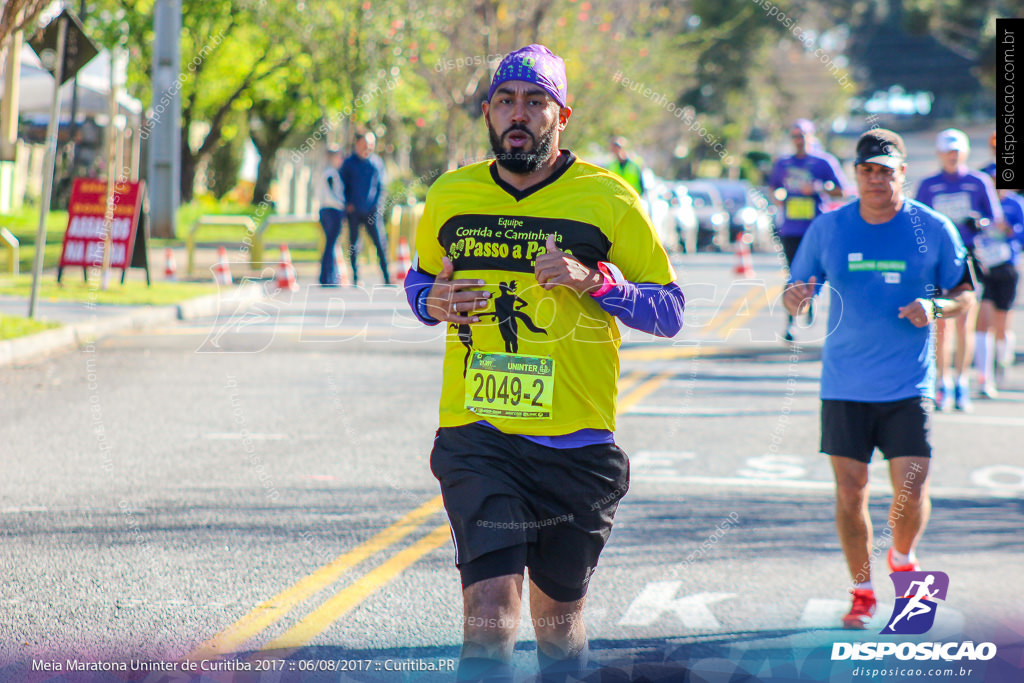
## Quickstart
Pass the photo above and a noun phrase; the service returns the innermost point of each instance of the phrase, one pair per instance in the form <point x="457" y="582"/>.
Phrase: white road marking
<point x="763" y="467"/>
<point x="240" y="436"/>
<point x="995" y="477"/>
<point x="800" y="485"/>
<point x="674" y="411"/>
<point x="659" y="597"/>
<point x="980" y="419"/>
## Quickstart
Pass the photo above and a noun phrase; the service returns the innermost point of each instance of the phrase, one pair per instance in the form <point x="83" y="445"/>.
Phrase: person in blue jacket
<point x="363" y="176"/>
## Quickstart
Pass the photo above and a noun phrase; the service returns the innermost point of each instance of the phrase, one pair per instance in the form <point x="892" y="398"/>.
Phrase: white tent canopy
<point x="35" y="95"/>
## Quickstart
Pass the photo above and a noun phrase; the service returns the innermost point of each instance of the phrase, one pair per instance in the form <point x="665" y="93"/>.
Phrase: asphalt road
<point x="249" y="498"/>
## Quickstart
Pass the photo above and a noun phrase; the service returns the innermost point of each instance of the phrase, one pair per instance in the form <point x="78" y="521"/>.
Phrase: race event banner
<point x="84" y="237"/>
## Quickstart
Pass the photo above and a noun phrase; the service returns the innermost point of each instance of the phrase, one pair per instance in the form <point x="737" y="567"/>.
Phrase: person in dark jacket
<point x="362" y="174"/>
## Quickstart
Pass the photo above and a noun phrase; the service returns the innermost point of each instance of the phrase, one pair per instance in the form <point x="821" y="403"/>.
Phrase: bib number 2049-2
<point x="510" y="385"/>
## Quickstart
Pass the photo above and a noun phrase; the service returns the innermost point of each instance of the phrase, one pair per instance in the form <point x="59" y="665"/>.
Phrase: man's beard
<point x="519" y="161"/>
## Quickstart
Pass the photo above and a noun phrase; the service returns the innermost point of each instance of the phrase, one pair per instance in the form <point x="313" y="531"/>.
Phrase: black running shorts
<point x="790" y="243"/>
<point x="1000" y="286"/>
<point x="502" y="491"/>
<point x="853" y="429"/>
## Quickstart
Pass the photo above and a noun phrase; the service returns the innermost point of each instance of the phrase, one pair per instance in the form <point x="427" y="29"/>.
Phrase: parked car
<point x="672" y="215"/>
<point x="748" y="211"/>
<point x="681" y="218"/>
<point x="712" y="218"/>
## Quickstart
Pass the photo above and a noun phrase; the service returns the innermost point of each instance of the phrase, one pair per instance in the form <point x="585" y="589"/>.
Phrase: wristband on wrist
<point x="421" y="304"/>
<point x="609" y="280"/>
<point x="936" y="309"/>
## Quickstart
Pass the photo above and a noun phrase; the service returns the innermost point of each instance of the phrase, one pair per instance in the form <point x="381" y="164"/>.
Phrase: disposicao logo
<point x="914" y="614"/>
<point x="916" y="592"/>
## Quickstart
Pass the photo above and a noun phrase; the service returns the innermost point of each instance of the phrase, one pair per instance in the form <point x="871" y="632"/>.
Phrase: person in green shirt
<point x="624" y="167"/>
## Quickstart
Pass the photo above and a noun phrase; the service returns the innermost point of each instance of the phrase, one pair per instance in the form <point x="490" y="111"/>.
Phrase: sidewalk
<point x="83" y="322"/>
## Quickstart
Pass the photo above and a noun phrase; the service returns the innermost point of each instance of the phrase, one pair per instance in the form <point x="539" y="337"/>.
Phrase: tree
<point x="17" y="15"/>
<point x="456" y="48"/>
<point x="340" y="77"/>
<point x="226" y="49"/>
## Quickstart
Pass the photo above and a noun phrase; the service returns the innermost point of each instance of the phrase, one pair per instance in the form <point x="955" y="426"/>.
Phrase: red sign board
<point x="87" y="209"/>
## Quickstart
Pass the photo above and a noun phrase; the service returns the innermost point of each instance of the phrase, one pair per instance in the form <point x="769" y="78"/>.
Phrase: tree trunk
<point x="266" y="173"/>
<point x="269" y="130"/>
<point x="189" y="163"/>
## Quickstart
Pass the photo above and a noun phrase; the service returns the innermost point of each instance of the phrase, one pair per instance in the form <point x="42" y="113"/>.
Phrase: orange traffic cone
<point x="744" y="264"/>
<point x="222" y="269"/>
<point x="170" y="266"/>
<point x="404" y="260"/>
<point x="286" y="273"/>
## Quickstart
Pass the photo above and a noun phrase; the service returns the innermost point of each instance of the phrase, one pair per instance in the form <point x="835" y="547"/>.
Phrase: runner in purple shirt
<point x="958" y="193"/>
<point x="800" y="184"/>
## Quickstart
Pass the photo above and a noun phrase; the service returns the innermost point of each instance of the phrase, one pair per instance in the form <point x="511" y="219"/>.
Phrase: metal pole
<point x="73" y="127"/>
<point x="51" y="158"/>
<point x="112" y="175"/>
<point x="164" y="180"/>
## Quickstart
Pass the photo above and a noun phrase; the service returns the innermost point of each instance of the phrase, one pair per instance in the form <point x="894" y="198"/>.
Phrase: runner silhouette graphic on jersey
<point x="507" y="313"/>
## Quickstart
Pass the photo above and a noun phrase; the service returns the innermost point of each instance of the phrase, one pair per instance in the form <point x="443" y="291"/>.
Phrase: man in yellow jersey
<point x="528" y="259"/>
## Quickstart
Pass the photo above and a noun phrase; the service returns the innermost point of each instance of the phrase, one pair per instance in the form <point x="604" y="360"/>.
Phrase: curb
<point x="49" y="342"/>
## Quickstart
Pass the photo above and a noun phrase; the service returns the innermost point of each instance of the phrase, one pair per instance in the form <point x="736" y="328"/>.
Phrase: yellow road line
<point x="352" y="595"/>
<point x="642" y="391"/>
<point x="271" y="611"/>
<point x="626" y="383"/>
<point x="723" y="316"/>
<point x="753" y="310"/>
<point x="345" y="600"/>
<point x="661" y="352"/>
<point x="349" y="597"/>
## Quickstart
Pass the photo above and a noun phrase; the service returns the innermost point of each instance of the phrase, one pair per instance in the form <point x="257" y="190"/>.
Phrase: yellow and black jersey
<point x="563" y="346"/>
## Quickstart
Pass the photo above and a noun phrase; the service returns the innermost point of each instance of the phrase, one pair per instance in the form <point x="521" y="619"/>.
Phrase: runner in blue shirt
<point x="893" y="266"/>
<point x="957" y="192"/>
<point x="998" y="248"/>
<point x="800" y="183"/>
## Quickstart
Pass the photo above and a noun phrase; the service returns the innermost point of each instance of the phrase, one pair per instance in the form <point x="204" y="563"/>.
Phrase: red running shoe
<point x="911" y="567"/>
<point x="862" y="610"/>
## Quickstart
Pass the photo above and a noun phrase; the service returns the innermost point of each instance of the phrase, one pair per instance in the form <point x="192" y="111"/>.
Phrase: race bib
<point x="800" y="208"/>
<point x="510" y="385"/>
<point x="992" y="252"/>
<point x="954" y="205"/>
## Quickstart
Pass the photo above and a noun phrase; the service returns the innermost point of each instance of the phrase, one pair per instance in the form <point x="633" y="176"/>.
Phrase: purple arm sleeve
<point x="990" y="201"/>
<point x="645" y="306"/>
<point x="416" y="284"/>
<point x="651" y="308"/>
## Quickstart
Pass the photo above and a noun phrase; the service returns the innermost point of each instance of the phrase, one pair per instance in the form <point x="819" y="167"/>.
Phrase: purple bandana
<point x="533" y="64"/>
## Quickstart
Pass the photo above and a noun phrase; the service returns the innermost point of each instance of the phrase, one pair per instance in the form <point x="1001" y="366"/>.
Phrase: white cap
<point x="952" y="139"/>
